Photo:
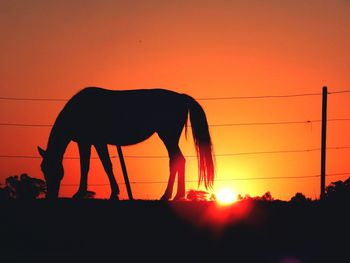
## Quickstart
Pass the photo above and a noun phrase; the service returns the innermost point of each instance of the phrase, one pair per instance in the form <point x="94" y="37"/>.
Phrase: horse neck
<point x="58" y="141"/>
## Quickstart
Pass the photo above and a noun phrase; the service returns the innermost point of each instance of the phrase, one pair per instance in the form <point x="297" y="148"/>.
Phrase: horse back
<point x="121" y="116"/>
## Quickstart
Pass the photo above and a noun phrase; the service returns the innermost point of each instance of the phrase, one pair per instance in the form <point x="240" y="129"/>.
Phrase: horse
<point x="97" y="117"/>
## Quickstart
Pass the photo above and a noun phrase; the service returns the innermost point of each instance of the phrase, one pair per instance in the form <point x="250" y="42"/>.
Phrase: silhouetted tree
<point x="299" y="198"/>
<point x="266" y="197"/>
<point x="245" y="197"/>
<point x="23" y="187"/>
<point x="338" y="190"/>
<point x="4" y="193"/>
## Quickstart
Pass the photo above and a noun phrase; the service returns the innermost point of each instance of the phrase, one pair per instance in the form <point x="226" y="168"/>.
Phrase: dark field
<point x="151" y="231"/>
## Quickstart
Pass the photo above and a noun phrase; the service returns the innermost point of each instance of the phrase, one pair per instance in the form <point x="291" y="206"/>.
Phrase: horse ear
<point x="41" y="151"/>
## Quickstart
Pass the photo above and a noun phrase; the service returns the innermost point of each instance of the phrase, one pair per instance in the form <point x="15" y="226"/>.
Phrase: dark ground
<point x="152" y="231"/>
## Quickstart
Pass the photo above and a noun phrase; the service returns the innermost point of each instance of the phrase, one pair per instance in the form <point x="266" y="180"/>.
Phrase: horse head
<point x="52" y="169"/>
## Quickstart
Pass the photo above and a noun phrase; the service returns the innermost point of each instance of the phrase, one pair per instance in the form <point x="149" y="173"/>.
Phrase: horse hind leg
<point x="177" y="165"/>
<point x="180" y="162"/>
<point x="170" y="135"/>
<point x="169" y="189"/>
<point x="102" y="152"/>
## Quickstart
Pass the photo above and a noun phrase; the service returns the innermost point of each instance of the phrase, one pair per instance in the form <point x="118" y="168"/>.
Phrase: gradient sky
<point x="52" y="49"/>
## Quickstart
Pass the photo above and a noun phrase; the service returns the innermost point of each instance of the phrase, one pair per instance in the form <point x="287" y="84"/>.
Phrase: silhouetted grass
<point x="102" y="230"/>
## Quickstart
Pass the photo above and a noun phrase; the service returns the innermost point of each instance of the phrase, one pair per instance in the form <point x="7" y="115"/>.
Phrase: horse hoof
<point x="114" y="197"/>
<point x="165" y="198"/>
<point x="179" y="198"/>
<point x="79" y="195"/>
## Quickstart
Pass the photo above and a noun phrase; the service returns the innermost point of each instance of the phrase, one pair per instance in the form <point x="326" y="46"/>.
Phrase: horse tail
<point x="202" y="141"/>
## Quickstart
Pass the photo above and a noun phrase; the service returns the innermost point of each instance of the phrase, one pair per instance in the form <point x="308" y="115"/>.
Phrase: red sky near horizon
<point x="202" y="48"/>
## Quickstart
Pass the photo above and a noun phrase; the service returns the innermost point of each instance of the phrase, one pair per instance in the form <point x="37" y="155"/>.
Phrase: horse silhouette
<point x="98" y="117"/>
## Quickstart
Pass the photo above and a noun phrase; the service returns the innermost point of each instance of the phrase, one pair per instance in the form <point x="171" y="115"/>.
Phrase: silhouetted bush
<point x="195" y="195"/>
<point x="22" y="187"/>
<point x="338" y="190"/>
<point x="4" y="193"/>
<point x="244" y="197"/>
<point x="265" y="197"/>
<point x="300" y="198"/>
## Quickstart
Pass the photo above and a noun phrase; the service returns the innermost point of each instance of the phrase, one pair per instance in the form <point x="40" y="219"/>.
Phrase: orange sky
<point x="215" y="48"/>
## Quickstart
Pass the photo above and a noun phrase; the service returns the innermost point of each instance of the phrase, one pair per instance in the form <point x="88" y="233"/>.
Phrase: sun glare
<point x="226" y="196"/>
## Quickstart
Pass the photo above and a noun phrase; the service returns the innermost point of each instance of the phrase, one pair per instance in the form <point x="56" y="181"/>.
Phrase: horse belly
<point x="124" y="136"/>
<point x="111" y="134"/>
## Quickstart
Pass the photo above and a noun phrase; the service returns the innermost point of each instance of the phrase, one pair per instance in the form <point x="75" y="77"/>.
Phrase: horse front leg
<point x="84" y="152"/>
<point x="102" y="152"/>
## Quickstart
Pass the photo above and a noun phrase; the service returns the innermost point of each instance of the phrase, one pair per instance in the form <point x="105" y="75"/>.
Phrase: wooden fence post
<point x="323" y="142"/>
<point x="125" y="174"/>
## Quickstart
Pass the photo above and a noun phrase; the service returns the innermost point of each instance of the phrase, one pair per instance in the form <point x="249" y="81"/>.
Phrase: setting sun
<point x="226" y="196"/>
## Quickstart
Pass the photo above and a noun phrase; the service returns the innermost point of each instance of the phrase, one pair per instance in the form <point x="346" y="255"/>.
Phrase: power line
<point x="211" y="125"/>
<point x="25" y="125"/>
<point x="222" y="180"/>
<point x="261" y="97"/>
<point x="204" y="98"/>
<point x="188" y="156"/>
<point x="272" y="96"/>
<point x="281" y="177"/>
<point x="338" y="92"/>
<point x="31" y="99"/>
<point x="274" y="123"/>
<point x="280" y="151"/>
<point x="227" y="180"/>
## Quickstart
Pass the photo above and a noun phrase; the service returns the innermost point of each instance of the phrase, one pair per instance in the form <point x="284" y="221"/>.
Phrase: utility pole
<point x="323" y="142"/>
<point x="125" y="174"/>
